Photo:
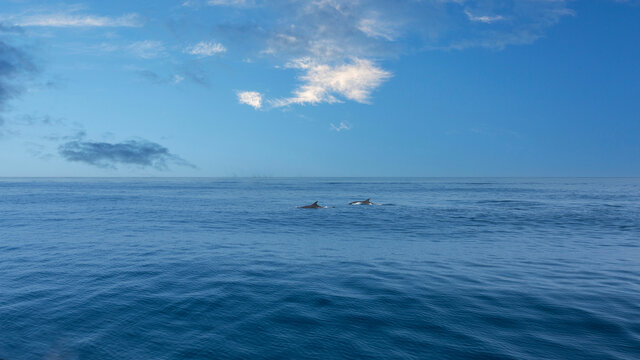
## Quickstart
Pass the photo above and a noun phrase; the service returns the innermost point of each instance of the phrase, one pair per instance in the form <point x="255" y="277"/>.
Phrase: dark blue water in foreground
<point x="230" y="268"/>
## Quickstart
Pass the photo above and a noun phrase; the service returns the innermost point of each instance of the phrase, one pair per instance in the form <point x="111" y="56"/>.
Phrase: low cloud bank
<point x="141" y="153"/>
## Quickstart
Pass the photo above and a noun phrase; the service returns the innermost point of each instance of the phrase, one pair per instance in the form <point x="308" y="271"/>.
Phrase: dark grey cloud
<point x="14" y="63"/>
<point x="141" y="153"/>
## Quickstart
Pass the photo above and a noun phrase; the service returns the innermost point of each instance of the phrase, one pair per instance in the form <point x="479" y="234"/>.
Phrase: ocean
<point x="230" y="268"/>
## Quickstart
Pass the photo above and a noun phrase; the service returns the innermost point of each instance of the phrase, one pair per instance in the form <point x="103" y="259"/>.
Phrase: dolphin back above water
<point x="312" y="206"/>
<point x="364" y="202"/>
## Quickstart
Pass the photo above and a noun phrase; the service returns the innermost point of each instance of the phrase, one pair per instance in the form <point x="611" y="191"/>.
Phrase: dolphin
<point x="365" y="202"/>
<point x="312" y="206"/>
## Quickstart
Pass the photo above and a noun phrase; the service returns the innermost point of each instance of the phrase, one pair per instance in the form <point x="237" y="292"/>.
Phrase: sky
<point x="320" y="88"/>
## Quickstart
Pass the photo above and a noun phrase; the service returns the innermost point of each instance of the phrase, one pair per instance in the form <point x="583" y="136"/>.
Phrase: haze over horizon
<point x="319" y="88"/>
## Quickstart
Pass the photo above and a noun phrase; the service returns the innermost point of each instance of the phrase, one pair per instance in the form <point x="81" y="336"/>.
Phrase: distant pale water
<point x="231" y="269"/>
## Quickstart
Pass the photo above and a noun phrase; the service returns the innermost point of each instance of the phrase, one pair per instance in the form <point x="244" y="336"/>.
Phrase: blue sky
<point x="320" y="88"/>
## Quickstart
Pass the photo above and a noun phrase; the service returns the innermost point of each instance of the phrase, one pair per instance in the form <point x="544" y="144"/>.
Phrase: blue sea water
<point x="231" y="269"/>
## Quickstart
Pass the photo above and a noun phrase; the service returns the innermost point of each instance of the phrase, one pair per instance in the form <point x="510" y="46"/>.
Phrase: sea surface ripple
<point x="445" y="268"/>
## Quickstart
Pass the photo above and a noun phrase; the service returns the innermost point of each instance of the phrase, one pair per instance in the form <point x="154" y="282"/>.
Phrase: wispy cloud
<point x="10" y="29"/>
<point x="340" y="127"/>
<point x="335" y="30"/>
<point x="376" y="28"/>
<point x="629" y="2"/>
<point x="153" y="77"/>
<point x="177" y="79"/>
<point x="487" y="19"/>
<point x="206" y="48"/>
<point x="32" y="120"/>
<point x="79" y="20"/>
<point x="325" y="83"/>
<point x="332" y="33"/>
<point x="251" y="98"/>
<point x="229" y="2"/>
<point x="222" y="3"/>
<point x="141" y="153"/>
<point x="77" y="135"/>
<point x="149" y="76"/>
<point x="144" y="49"/>
<point x="147" y="49"/>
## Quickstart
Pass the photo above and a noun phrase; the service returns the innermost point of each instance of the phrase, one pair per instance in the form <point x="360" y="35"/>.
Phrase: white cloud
<point x="342" y="126"/>
<point x="251" y="98"/>
<point x="206" y="48"/>
<point x="75" y="20"/>
<point x="147" y="49"/>
<point x="339" y="39"/>
<point x="484" y="18"/>
<point x="322" y="83"/>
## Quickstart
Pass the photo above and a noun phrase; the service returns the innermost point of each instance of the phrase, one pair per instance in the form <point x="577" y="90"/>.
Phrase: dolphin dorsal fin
<point x="367" y="200"/>
<point x="315" y="203"/>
